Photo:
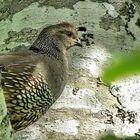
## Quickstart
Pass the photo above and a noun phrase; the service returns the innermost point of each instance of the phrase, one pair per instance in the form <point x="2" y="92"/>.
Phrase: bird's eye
<point x="69" y="34"/>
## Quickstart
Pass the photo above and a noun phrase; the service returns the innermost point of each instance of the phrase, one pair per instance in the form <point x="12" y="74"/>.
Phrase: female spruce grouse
<point x="32" y="80"/>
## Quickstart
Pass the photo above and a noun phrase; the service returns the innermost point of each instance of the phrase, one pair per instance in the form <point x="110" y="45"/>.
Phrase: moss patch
<point x="8" y="8"/>
<point x="59" y="3"/>
<point x="25" y="35"/>
<point x="107" y="22"/>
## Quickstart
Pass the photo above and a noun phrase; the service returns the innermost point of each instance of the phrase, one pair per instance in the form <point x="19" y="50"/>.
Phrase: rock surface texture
<point x="87" y="107"/>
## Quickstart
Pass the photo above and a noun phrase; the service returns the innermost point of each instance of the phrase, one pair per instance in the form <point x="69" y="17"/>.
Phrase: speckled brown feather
<point x="34" y="79"/>
<point x="27" y="84"/>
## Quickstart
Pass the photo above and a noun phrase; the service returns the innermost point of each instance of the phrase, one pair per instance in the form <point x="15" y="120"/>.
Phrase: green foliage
<point x="122" y="66"/>
<point x="112" y="137"/>
<point x="5" y="126"/>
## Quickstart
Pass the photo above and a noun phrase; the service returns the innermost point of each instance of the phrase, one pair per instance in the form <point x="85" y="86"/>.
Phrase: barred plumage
<point x="34" y="79"/>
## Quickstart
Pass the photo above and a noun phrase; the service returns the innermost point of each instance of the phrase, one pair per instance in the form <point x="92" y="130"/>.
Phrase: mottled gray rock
<point x="87" y="107"/>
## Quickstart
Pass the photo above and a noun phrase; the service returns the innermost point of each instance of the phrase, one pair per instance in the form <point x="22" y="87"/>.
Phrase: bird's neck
<point x="52" y="48"/>
<point x="49" y="46"/>
<point x="58" y="74"/>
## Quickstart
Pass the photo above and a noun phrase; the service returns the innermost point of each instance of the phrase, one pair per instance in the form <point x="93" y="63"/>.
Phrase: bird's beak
<point x="78" y="42"/>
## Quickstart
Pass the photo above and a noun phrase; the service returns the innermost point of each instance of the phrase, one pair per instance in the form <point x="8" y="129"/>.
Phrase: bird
<point x="32" y="80"/>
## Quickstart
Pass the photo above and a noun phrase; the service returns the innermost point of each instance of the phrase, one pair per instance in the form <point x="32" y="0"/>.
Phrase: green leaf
<point x="113" y="137"/>
<point x="122" y="66"/>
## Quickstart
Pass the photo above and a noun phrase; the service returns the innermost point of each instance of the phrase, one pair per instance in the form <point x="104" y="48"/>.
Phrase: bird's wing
<point x="25" y="87"/>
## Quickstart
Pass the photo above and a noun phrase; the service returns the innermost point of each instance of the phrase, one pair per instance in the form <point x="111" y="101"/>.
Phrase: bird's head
<point x="55" y="39"/>
<point x="67" y="33"/>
